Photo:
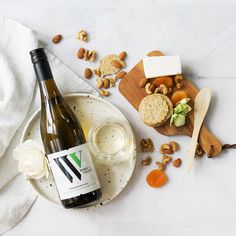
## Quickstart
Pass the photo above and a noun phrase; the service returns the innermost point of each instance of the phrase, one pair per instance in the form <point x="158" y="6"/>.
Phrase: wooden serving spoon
<point x="201" y="105"/>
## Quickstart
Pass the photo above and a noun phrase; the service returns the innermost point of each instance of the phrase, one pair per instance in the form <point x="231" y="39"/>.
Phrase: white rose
<point x="32" y="159"/>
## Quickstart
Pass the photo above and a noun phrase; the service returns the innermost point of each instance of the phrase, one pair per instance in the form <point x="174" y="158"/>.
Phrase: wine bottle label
<point x="73" y="172"/>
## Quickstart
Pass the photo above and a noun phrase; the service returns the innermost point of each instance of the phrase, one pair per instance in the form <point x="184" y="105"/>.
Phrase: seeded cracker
<point x="155" y="109"/>
<point x="106" y="66"/>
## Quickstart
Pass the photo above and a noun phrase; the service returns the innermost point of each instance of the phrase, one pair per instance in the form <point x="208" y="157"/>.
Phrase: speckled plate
<point x="89" y="109"/>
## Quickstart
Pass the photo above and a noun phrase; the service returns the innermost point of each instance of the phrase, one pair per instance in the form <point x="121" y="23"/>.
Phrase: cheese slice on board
<point x="161" y="66"/>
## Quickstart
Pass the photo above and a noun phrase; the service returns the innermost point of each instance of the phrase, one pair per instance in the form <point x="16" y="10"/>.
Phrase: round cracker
<point x="154" y="110"/>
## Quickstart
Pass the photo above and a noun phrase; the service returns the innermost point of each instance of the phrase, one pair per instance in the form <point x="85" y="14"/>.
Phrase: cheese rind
<point x="161" y="66"/>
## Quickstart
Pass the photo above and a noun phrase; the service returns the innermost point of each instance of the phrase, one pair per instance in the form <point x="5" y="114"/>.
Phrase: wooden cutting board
<point x="129" y="89"/>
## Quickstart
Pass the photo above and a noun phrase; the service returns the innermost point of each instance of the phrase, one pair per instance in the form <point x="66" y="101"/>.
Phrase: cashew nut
<point x="166" y="149"/>
<point x="99" y="83"/>
<point x="174" y="146"/>
<point x="179" y="78"/>
<point x="166" y="159"/>
<point x="157" y="90"/>
<point x="104" y="93"/>
<point x="149" y="88"/>
<point x="161" y="165"/>
<point x="164" y="89"/>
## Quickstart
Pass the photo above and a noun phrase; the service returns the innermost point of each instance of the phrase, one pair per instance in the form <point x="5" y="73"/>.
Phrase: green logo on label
<point x="75" y="158"/>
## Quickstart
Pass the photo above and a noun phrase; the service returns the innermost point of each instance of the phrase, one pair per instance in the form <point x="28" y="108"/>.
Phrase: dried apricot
<point x="166" y="80"/>
<point x="156" y="178"/>
<point x="178" y="96"/>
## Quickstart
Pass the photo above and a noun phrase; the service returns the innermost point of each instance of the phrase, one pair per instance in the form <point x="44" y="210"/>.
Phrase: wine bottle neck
<point x="47" y="85"/>
<point x="42" y="70"/>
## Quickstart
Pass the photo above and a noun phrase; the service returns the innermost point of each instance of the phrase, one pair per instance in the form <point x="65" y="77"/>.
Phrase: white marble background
<point x="203" y="33"/>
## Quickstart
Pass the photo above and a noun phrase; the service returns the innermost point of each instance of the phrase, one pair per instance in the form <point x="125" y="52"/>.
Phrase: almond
<point x="177" y="162"/>
<point x="122" y="55"/>
<point x="80" y="53"/>
<point x="106" y="83"/>
<point x="88" y="73"/>
<point x="143" y="82"/>
<point x="57" y="38"/>
<point x="120" y="74"/>
<point x="116" y="64"/>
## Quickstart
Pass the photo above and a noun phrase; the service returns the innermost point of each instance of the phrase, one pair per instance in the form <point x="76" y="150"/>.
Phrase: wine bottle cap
<point x="41" y="65"/>
<point x="38" y="54"/>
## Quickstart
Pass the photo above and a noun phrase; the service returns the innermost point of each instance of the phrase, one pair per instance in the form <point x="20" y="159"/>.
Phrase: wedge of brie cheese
<point x="161" y="66"/>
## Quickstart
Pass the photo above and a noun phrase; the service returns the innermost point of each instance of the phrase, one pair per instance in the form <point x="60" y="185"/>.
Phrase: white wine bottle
<point x="64" y="141"/>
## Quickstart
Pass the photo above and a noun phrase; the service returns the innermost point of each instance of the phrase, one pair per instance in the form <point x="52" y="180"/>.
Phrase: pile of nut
<point x="146" y="145"/>
<point x="163" y="85"/>
<point x="82" y="53"/>
<point x="110" y="65"/>
<point x="87" y="55"/>
<point x="167" y="149"/>
<point x="108" y="72"/>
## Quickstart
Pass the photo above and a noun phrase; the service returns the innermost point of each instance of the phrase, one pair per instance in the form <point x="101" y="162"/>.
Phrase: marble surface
<point x="203" y="33"/>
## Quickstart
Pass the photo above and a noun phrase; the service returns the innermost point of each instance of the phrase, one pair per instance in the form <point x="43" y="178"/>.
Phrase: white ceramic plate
<point x="89" y="109"/>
